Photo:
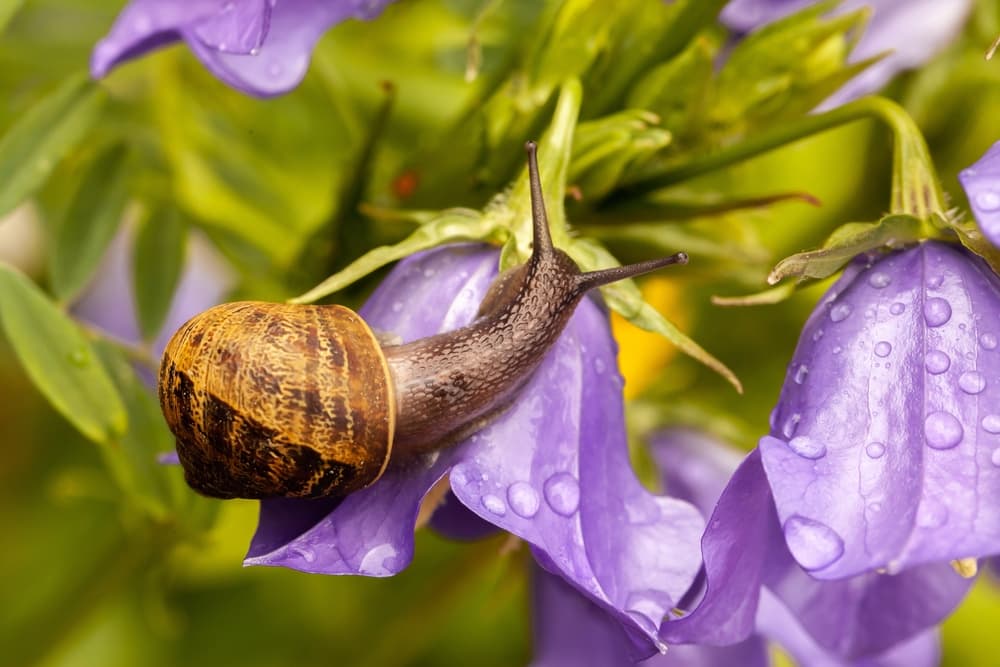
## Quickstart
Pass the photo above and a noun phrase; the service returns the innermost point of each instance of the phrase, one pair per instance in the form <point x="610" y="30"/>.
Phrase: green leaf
<point x="847" y="242"/>
<point x="59" y="359"/>
<point x="47" y="132"/>
<point x="452" y="225"/>
<point x="90" y="223"/>
<point x="7" y="10"/>
<point x="625" y="298"/>
<point x="156" y="267"/>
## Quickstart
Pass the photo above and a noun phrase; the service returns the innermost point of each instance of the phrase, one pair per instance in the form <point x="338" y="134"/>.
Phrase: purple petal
<point x="454" y="520"/>
<point x="779" y="623"/>
<point x="913" y="30"/>
<point x="695" y="466"/>
<point x="261" y="47"/>
<point x="371" y="531"/>
<point x="554" y="470"/>
<point x="571" y="631"/>
<point x="884" y="450"/>
<point x="981" y="182"/>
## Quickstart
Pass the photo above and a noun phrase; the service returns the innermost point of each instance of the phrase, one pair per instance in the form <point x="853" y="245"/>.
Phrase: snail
<point x="272" y="399"/>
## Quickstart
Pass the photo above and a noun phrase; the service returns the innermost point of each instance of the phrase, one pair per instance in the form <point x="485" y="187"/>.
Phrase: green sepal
<point x="847" y="242"/>
<point x="40" y="139"/>
<point x="59" y="359"/>
<point x="766" y="297"/>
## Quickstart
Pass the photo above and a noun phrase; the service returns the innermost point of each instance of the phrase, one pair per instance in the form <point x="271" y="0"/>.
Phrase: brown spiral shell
<point x="270" y="399"/>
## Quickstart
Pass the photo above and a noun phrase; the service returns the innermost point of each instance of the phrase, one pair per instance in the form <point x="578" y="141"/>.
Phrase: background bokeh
<point x="87" y="577"/>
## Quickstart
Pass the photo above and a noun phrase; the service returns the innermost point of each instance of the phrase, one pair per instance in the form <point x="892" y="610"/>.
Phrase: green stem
<point x="915" y="187"/>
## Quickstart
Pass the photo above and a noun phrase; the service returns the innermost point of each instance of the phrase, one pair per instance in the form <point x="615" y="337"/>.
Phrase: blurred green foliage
<point x="109" y="559"/>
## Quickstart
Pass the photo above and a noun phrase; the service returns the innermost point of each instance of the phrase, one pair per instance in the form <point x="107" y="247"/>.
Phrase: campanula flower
<point x="981" y="182"/>
<point x="912" y="30"/>
<point x="553" y="469"/>
<point x="261" y="47"/>
<point x="754" y="588"/>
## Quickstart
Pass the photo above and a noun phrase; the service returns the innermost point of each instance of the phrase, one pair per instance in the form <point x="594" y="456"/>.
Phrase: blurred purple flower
<point x="553" y="470"/>
<point x="753" y="588"/>
<point x="914" y="30"/>
<point x="981" y="182"/>
<point x="885" y="444"/>
<point x="261" y="47"/>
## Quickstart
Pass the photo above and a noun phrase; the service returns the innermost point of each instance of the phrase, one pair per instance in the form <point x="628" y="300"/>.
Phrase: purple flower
<point x="913" y="30"/>
<point x="885" y="445"/>
<point x="261" y="47"/>
<point x="553" y="470"/>
<point x="981" y="182"/>
<point x="754" y="588"/>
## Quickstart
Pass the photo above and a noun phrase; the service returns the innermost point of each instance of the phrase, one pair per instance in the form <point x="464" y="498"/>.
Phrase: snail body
<point x="270" y="399"/>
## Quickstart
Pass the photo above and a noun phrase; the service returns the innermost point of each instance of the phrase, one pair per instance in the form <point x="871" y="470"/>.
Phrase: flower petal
<point x="883" y="452"/>
<point x="261" y="47"/>
<point x="981" y="182"/>
<point x="694" y="466"/>
<point x="554" y="470"/>
<point x="371" y="531"/>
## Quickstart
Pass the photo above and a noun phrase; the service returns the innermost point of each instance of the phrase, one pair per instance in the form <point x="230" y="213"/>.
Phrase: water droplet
<point x="897" y="308"/>
<point x="788" y="428"/>
<point x="397" y="306"/>
<point x="307" y="554"/>
<point x="988" y="341"/>
<point x="971" y="382"/>
<point x="807" y="447"/>
<point x="883" y="348"/>
<point x="429" y="272"/>
<point x="800" y="373"/>
<point x="936" y="362"/>
<point x="254" y="51"/>
<point x="878" y="280"/>
<point x="837" y="349"/>
<point x="840" y="312"/>
<point x="377" y="562"/>
<point x="934" y="282"/>
<point x="817" y="335"/>
<point x="991" y="423"/>
<point x="562" y="493"/>
<point x="937" y="311"/>
<point x="932" y="515"/>
<point x="523" y="499"/>
<point x="79" y="357"/>
<point x="988" y="200"/>
<point x="813" y="544"/>
<point x="599" y="365"/>
<point x="875" y="450"/>
<point x="494" y="505"/>
<point x="223" y="47"/>
<point x="275" y="69"/>
<point x="995" y="457"/>
<point x="942" y="430"/>
<point x="874" y="507"/>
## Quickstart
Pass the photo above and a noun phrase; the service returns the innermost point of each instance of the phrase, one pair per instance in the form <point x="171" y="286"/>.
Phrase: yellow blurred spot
<point x="643" y="354"/>
<point x="966" y="567"/>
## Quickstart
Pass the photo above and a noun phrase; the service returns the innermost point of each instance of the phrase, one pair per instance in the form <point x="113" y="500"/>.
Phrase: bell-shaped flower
<point x="981" y="182"/>
<point x="884" y="451"/>
<point x="553" y="469"/>
<point x="753" y="587"/>
<point x="261" y="47"/>
<point x="911" y="31"/>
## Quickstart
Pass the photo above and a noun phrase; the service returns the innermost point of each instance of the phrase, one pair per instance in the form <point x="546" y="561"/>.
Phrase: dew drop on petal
<point x="878" y="280"/>
<point x="995" y="457"/>
<point x="817" y="335"/>
<point x="934" y="282"/>
<point x="838" y="349"/>
<point x="562" y="493"/>
<point x="875" y="450"/>
<point x="523" y="499"/>
<point x="813" y="544"/>
<point x="991" y="423"/>
<point x="397" y="306"/>
<point x="377" y="561"/>
<point x="937" y="311"/>
<point x="840" y="312"/>
<point x="807" y="447"/>
<point x="972" y="382"/>
<point x="988" y="341"/>
<point x="936" y="362"/>
<point x="932" y="515"/>
<point x="599" y="365"/>
<point x="307" y="554"/>
<point x="800" y="374"/>
<point x="79" y="357"/>
<point x="792" y="423"/>
<point x="897" y="308"/>
<point x="883" y="348"/>
<point x="942" y="430"/>
<point x="987" y="200"/>
<point x="494" y="505"/>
